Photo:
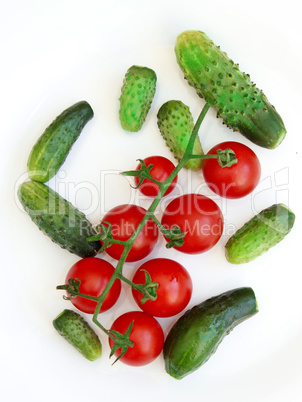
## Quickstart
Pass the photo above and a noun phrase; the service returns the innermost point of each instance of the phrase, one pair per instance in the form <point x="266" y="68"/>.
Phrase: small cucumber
<point x="194" y="338"/>
<point x="137" y="93"/>
<point x="58" y="218"/>
<point x="175" y="123"/>
<point x="218" y="80"/>
<point x="52" y="148"/>
<point x="259" y="234"/>
<point x="78" y="333"/>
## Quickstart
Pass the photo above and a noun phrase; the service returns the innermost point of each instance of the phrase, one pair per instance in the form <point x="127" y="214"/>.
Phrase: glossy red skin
<point x="161" y="170"/>
<point x="94" y="274"/>
<point x="146" y="334"/>
<point x="174" y="291"/>
<point x="237" y="180"/>
<point x="198" y="216"/>
<point x="124" y="220"/>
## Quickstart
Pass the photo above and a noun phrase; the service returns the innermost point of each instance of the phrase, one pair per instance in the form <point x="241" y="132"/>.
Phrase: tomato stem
<point x="143" y="173"/>
<point x="132" y="284"/>
<point x="175" y="235"/>
<point x="226" y="157"/>
<point x="163" y="186"/>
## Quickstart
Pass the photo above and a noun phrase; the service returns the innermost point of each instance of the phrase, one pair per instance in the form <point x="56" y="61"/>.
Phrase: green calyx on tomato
<point x="120" y="341"/>
<point x="148" y="289"/>
<point x="151" y="173"/>
<point x="105" y="236"/>
<point x="174" y="235"/>
<point x="72" y="288"/>
<point x="226" y="158"/>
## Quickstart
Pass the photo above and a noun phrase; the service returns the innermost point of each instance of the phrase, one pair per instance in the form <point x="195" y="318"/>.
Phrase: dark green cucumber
<point x="175" y="123"/>
<point x="218" y="80"/>
<point x="259" y="234"/>
<point x="78" y="333"/>
<point x="194" y="338"/>
<point x="137" y="93"/>
<point x="58" y="218"/>
<point x="52" y="148"/>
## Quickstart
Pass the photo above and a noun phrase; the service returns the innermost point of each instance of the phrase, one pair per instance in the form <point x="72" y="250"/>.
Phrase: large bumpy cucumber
<point x="196" y="335"/>
<point x="78" y="333"/>
<point x="52" y="148"/>
<point x="58" y="218"/>
<point x="175" y="123"/>
<point x="259" y="234"/>
<point x="218" y="80"/>
<point x="137" y="93"/>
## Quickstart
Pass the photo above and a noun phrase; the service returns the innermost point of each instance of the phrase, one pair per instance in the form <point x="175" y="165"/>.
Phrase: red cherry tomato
<point x="237" y="180"/>
<point x="124" y="220"/>
<point x="146" y="334"/>
<point x="94" y="274"/>
<point x="199" y="217"/>
<point x="174" y="287"/>
<point x="161" y="170"/>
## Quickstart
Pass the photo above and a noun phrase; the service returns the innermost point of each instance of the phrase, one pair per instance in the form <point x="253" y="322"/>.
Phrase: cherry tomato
<point x="94" y="274"/>
<point x="199" y="217"/>
<point x="161" y="170"/>
<point x="174" y="287"/>
<point x="146" y="334"/>
<point x="237" y="180"/>
<point x="124" y="219"/>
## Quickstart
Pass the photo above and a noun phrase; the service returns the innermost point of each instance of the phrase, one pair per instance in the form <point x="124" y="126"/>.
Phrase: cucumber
<point x="137" y="93"/>
<point x="218" y="80"/>
<point x="194" y="338"/>
<point x="58" y="218"/>
<point x="259" y="234"/>
<point x="78" y="333"/>
<point x="175" y="123"/>
<point x="52" y="148"/>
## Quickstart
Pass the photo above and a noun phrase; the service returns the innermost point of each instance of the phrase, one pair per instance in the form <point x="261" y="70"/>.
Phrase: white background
<point x="56" y="53"/>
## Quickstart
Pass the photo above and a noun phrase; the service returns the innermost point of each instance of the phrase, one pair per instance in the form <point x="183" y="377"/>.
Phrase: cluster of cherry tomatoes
<point x="196" y="215"/>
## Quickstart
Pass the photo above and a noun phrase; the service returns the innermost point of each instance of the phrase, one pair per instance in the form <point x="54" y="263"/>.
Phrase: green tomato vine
<point x="175" y="235"/>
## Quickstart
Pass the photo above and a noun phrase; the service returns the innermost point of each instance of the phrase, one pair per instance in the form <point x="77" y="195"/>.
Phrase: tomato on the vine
<point x="124" y="220"/>
<point x="174" y="287"/>
<point x="94" y="274"/>
<point x="161" y="170"/>
<point x="235" y="181"/>
<point x="146" y="335"/>
<point x="199" y="218"/>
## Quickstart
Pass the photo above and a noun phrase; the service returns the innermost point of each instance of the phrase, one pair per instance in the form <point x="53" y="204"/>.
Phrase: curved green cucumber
<point x="58" y="219"/>
<point x="175" y="123"/>
<point x="218" y="80"/>
<point x="52" y="148"/>
<point x="78" y="333"/>
<point x="194" y="338"/>
<point x="137" y="93"/>
<point x="259" y="234"/>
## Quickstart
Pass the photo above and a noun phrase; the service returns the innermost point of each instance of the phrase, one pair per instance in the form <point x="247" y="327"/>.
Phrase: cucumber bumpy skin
<point x="175" y="123"/>
<point x="259" y="234"/>
<point x="137" y="93"/>
<point x="78" y="333"/>
<point x="58" y="219"/>
<point x="196" y="335"/>
<point x="218" y="80"/>
<point x="52" y="148"/>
